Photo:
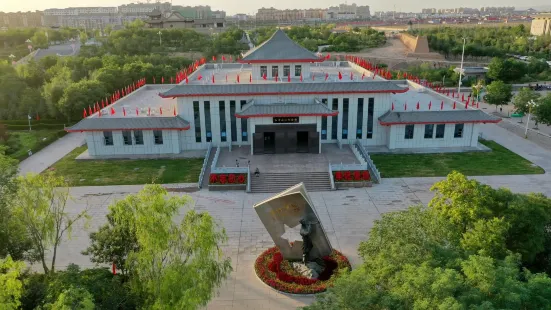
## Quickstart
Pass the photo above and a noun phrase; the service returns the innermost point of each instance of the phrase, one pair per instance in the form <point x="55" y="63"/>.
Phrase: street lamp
<point x="29" y="45"/>
<point x="160" y="34"/>
<point x="12" y="57"/>
<point x="531" y="104"/>
<point x="461" y="70"/>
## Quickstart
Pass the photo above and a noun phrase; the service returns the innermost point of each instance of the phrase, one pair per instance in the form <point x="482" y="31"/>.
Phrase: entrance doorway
<point x="269" y="142"/>
<point x="302" y="142"/>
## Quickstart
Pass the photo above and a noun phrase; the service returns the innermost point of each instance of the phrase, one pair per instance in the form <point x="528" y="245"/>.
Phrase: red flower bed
<point x="351" y="176"/>
<point x="273" y="270"/>
<point x="230" y="178"/>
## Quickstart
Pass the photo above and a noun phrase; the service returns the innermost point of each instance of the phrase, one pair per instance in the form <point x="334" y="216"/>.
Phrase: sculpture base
<point x="297" y="278"/>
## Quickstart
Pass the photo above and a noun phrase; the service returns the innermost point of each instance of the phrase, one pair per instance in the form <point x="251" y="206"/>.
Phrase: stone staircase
<point x="271" y="182"/>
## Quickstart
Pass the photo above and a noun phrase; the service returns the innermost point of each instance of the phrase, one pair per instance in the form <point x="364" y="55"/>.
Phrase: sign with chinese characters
<point x="285" y="119"/>
<point x="287" y="209"/>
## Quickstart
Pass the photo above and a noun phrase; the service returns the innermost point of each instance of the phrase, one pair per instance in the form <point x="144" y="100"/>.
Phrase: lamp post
<point x="531" y="104"/>
<point x="29" y="45"/>
<point x="160" y="40"/>
<point x="12" y="57"/>
<point x="461" y="70"/>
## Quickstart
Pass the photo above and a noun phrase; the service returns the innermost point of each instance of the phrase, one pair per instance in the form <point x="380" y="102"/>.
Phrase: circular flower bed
<point x="273" y="270"/>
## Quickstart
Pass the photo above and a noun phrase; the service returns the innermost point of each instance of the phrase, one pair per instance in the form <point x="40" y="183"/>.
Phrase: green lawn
<point x="500" y="161"/>
<point x="125" y="172"/>
<point x="19" y="142"/>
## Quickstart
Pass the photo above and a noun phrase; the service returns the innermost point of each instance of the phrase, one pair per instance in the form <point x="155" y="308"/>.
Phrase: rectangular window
<point x="197" y="121"/>
<point x="408" y="132"/>
<point x="222" y="110"/>
<point x="359" y="119"/>
<point x="158" y="136"/>
<point x="334" y="119"/>
<point x="286" y="70"/>
<point x="324" y="123"/>
<point x="345" y="118"/>
<point x="127" y="137"/>
<point x="263" y="71"/>
<point x="298" y="70"/>
<point x="108" y="137"/>
<point x="458" y="132"/>
<point x="138" y="137"/>
<point x="233" y="121"/>
<point x="429" y="131"/>
<point x="244" y="133"/>
<point x="275" y="71"/>
<point x="440" y="129"/>
<point x="370" y="107"/>
<point x="207" y="121"/>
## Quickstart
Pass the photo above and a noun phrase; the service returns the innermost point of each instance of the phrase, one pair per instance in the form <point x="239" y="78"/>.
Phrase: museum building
<point x="280" y="98"/>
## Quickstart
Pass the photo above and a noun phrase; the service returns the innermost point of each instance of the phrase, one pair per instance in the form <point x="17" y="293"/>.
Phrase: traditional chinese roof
<point x="285" y="109"/>
<point x="130" y="123"/>
<point x="283" y="88"/>
<point x="279" y="48"/>
<point x="437" y="117"/>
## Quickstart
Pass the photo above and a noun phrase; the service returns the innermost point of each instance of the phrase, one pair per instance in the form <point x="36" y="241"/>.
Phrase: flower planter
<point x="227" y="182"/>
<point x="353" y="184"/>
<point x="227" y="187"/>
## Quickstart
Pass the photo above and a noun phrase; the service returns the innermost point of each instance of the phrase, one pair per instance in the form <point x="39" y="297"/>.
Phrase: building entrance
<point x="269" y="142"/>
<point x="280" y="139"/>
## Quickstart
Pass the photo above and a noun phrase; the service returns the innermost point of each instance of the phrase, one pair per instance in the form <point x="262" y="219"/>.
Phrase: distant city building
<point x="348" y="11"/>
<point x="142" y="9"/>
<point x="241" y="17"/>
<point x="343" y="11"/>
<point x="176" y="20"/>
<point x="21" y="19"/>
<point x="83" y="17"/>
<point x="195" y="12"/>
<point x="541" y="24"/>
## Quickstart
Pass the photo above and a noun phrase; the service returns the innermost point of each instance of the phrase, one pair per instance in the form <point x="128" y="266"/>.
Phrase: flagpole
<point x="461" y="70"/>
<point x="29" y="118"/>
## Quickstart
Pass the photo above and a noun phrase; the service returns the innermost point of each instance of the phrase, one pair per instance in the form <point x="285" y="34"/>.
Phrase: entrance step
<point x="276" y="182"/>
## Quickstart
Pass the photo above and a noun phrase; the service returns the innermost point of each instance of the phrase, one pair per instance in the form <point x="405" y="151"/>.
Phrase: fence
<point x="331" y="178"/>
<point x="205" y="163"/>
<point x="360" y="150"/>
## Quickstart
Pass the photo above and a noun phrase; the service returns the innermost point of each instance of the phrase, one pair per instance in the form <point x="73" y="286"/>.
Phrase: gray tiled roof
<point x="283" y="88"/>
<point x="285" y="109"/>
<point x="434" y="117"/>
<point x="279" y="47"/>
<point x="128" y="123"/>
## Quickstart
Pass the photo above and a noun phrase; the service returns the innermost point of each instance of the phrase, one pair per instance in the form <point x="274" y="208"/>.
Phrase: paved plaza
<point x="347" y="216"/>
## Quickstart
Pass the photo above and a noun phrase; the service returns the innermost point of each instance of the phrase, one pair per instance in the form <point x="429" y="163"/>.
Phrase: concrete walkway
<point x="46" y="157"/>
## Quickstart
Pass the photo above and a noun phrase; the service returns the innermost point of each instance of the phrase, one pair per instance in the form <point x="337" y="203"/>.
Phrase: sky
<point x="250" y="6"/>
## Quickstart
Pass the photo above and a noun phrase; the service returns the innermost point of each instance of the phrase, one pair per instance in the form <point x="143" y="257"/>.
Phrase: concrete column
<point x="339" y="120"/>
<point x="203" y="124"/>
<point x="364" y="118"/>
<point x="228" y="122"/>
<point x="329" y="118"/>
<point x="352" y="118"/>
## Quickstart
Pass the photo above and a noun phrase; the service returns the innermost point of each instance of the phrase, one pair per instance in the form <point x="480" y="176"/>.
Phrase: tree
<point x="40" y="205"/>
<point x="521" y="99"/>
<point x="543" y="110"/>
<point x="11" y="286"/>
<point x="80" y="95"/>
<point x="498" y="93"/>
<point x="73" y="298"/>
<point x="177" y="265"/>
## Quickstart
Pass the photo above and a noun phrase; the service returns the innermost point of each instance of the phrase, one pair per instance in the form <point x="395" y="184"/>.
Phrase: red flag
<point x="351" y="76"/>
<point x="462" y="97"/>
<point x="250" y="78"/>
<point x="223" y="58"/>
<point x="213" y="78"/>
<point x="162" y="80"/>
<point x="99" y="113"/>
<point x="149" y="111"/>
<point x="199" y="77"/>
<point x="112" y="111"/>
<point x="84" y="114"/>
<point x="477" y="105"/>
<point x="288" y="77"/>
<point x="417" y="105"/>
<point x="123" y="111"/>
<point x="213" y="58"/>
<point x="454" y="105"/>
<point x="114" y="268"/>
<point x="174" y="112"/>
<point x="442" y="105"/>
<point x="102" y="104"/>
<point x="238" y="80"/>
<point x="430" y="105"/>
<point x="405" y="106"/>
<point x="264" y="76"/>
<point x="89" y="110"/>
<point x="363" y="74"/>
<point x="37" y="117"/>
<point x="393" y="106"/>
<point x="161" y="110"/>
<point x="122" y="91"/>
<point x="313" y="76"/>
<point x="326" y="76"/>
<point x="328" y="56"/>
<point x="276" y="77"/>
<point x="467" y="105"/>
<point x="453" y="94"/>
<point x="340" y="75"/>
<point x="301" y="76"/>
<point x="187" y="81"/>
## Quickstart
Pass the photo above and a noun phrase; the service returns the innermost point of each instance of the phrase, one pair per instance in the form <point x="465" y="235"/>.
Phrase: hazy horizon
<point x="250" y="6"/>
